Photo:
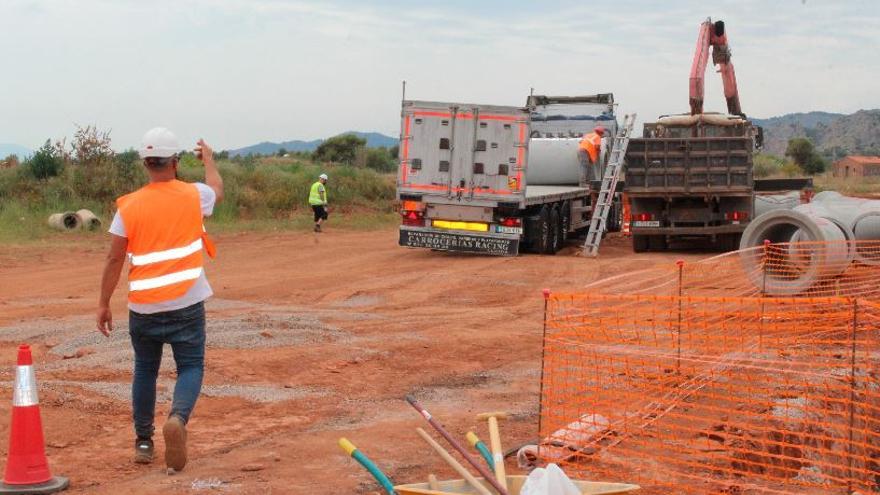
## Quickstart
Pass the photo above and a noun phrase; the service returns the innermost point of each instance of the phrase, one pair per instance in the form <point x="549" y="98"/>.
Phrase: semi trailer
<point x="497" y="180"/>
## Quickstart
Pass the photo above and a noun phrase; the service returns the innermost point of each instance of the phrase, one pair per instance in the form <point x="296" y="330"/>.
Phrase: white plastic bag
<point x="549" y="481"/>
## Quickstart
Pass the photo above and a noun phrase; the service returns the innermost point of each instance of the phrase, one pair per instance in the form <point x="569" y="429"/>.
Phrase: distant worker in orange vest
<point x="159" y="229"/>
<point x="589" y="151"/>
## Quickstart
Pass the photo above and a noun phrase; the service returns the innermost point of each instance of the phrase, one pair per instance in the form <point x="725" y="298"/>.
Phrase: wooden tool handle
<point x="433" y="484"/>
<point x="497" y="452"/>
<point x="453" y="463"/>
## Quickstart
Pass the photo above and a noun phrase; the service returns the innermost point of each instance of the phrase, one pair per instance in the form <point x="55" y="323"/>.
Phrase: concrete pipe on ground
<point x="553" y="162"/>
<point x="65" y="221"/>
<point x="862" y="216"/>
<point x="817" y="210"/>
<point x="800" y="267"/>
<point x="89" y="220"/>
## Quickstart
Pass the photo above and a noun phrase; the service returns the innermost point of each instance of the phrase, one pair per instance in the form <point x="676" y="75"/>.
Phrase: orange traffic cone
<point x="27" y="471"/>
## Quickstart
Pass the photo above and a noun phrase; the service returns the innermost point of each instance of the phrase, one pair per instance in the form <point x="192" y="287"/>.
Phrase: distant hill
<point x="7" y="149"/>
<point x="374" y="140"/>
<point x="833" y="134"/>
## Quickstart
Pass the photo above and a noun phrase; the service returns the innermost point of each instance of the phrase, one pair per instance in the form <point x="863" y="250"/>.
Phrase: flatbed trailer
<point x="463" y="182"/>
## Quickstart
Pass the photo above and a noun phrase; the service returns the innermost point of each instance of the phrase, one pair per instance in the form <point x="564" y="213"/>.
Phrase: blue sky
<point x="241" y="71"/>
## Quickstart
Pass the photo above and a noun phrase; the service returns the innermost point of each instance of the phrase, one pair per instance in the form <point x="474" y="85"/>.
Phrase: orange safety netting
<point x="701" y="378"/>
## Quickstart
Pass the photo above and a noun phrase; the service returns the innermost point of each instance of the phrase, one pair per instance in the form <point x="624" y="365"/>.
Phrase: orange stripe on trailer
<point x="403" y="162"/>
<point x="520" y="155"/>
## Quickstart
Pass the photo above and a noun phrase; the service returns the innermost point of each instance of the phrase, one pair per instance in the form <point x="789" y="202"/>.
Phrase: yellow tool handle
<point x="482" y="490"/>
<point x="497" y="453"/>
<point x="347" y="446"/>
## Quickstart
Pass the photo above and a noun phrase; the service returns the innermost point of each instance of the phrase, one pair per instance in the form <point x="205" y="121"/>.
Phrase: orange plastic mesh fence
<point x="720" y="390"/>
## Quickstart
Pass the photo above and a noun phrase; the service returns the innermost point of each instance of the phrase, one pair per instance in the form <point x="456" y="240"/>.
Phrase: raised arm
<point x="212" y="175"/>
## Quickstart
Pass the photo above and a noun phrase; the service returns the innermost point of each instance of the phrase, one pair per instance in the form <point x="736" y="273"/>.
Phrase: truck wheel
<point x="565" y="221"/>
<point x="544" y="233"/>
<point x="657" y="243"/>
<point x="555" y="241"/>
<point x="640" y="243"/>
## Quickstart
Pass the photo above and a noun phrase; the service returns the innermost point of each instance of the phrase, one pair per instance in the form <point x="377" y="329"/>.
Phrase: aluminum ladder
<point x="605" y="199"/>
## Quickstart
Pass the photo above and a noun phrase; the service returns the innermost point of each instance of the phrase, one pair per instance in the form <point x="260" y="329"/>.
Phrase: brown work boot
<point x="143" y="451"/>
<point x="174" y="432"/>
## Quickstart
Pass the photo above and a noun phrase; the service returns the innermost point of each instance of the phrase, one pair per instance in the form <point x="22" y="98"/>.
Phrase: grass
<point x="852" y="186"/>
<point x="266" y="195"/>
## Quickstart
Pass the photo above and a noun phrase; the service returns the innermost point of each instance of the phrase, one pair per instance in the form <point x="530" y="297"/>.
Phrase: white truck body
<point x="463" y="180"/>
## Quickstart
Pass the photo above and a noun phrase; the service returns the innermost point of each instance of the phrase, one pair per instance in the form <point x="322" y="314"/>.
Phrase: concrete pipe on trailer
<point x="553" y="162"/>
<point x="800" y="270"/>
<point x="770" y="202"/>
<point x="89" y="220"/>
<point x="66" y="221"/>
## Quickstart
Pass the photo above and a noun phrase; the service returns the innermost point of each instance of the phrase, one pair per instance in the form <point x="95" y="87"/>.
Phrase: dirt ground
<point x="310" y="338"/>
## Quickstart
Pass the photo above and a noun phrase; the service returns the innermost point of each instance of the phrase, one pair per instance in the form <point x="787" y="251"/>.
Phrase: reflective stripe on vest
<point x="164" y="280"/>
<point x="165" y="240"/>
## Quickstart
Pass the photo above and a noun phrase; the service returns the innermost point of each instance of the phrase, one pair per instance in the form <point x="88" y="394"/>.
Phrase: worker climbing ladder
<point x="605" y="200"/>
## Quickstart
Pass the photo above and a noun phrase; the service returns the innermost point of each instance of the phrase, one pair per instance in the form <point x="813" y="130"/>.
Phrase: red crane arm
<point x="713" y="35"/>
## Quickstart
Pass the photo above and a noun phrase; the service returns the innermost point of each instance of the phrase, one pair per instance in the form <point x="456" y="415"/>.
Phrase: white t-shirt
<point x="201" y="290"/>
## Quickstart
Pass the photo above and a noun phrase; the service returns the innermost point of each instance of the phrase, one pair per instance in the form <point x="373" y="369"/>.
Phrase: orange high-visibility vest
<point x="163" y="221"/>
<point x="591" y="143"/>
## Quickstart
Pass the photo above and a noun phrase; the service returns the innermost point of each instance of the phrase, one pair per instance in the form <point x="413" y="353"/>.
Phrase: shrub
<point x="45" y="162"/>
<point x="340" y="149"/>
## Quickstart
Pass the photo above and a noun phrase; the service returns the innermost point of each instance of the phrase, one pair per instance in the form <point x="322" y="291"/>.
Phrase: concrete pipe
<point x="89" y="220"/>
<point x="801" y="267"/>
<point x="817" y="210"/>
<point x="553" y="161"/>
<point x="863" y="217"/>
<point x="66" y="221"/>
<point x="770" y="202"/>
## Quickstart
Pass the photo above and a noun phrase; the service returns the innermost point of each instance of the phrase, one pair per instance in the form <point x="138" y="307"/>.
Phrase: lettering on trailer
<point x="456" y="242"/>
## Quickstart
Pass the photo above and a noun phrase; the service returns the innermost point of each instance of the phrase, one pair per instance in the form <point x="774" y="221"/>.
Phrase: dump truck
<point x="691" y="176"/>
<point x="495" y="179"/>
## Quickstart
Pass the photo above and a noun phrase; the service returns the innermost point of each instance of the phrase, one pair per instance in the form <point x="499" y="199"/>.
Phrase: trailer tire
<point x="640" y="243"/>
<point x="657" y="243"/>
<point x="564" y="221"/>
<point x="554" y="243"/>
<point x="544" y="233"/>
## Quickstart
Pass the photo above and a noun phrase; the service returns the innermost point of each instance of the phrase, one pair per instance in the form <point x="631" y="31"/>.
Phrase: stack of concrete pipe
<point x="69" y="221"/>
<point x="830" y="217"/>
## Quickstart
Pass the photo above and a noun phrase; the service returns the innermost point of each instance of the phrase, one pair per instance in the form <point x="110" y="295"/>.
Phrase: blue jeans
<point x="184" y="330"/>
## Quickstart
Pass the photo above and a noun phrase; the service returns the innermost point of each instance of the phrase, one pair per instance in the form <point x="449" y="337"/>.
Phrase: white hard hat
<point x="323" y="176"/>
<point x="159" y="142"/>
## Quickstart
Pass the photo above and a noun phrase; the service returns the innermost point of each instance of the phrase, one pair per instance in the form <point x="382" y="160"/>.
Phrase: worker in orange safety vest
<point x="589" y="151"/>
<point x="159" y="230"/>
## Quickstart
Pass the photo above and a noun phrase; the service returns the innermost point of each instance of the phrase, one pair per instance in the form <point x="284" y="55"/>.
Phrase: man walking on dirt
<point x="159" y="229"/>
<point x="318" y="200"/>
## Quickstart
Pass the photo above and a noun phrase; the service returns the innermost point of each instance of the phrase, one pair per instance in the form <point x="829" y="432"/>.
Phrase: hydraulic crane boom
<point x="713" y="35"/>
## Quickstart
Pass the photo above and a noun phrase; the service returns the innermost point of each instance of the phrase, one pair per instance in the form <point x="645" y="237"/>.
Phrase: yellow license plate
<point x="472" y="226"/>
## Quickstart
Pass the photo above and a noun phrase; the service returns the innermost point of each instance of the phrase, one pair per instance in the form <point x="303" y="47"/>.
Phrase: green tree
<point x="340" y="149"/>
<point x="45" y="162"/>
<point x="380" y="160"/>
<point x="805" y="156"/>
<point x="281" y="152"/>
<point x="394" y="151"/>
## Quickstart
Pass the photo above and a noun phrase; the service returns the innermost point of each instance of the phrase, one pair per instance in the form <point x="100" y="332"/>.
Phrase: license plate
<point x="501" y="229"/>
<point x="646" y="223"/>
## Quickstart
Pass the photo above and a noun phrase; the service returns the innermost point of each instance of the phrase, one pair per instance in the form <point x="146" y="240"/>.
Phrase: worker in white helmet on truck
<point x="318" y="200"/>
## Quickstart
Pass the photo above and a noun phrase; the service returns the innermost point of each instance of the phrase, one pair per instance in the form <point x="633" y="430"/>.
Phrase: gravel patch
<point x="165" y="389"/>
<point x="76" y="339"/>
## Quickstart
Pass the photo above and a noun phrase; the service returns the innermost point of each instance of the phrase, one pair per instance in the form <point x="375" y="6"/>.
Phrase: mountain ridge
<point x="374" y="140"/>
